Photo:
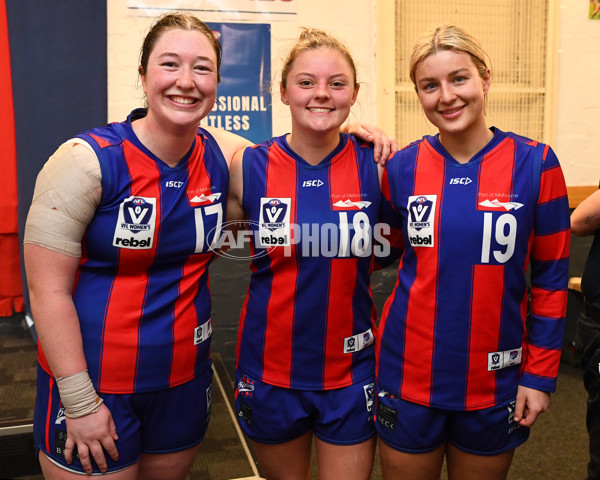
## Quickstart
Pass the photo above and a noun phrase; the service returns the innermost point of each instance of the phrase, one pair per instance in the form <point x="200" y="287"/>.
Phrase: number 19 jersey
<point x="453" y="332"/>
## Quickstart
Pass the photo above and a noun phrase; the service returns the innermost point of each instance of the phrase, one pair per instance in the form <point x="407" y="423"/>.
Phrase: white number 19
<point x="505" y="235"/>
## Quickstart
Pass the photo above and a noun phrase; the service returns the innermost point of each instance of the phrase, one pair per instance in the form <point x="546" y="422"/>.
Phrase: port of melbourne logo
<point x="421" y="217"/>
<point x="136" y="222"/>
<point x="274" y="222"/>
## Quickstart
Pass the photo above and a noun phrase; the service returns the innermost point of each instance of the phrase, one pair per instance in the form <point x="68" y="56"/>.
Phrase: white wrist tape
<point x="78" y="395"/>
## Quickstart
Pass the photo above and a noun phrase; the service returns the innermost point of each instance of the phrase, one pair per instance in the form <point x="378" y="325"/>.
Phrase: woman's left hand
<point x="383" y="145"/>
<point x="530" y="403"/>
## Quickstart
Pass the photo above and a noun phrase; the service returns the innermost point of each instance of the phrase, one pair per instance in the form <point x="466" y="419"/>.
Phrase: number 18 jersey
<point x="308" y="319"/>
<point x="453" y="332"/>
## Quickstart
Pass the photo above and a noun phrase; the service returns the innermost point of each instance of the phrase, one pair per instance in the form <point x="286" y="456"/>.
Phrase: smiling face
<point x="180" y="81"/>
<point x="452" y="93"/>
<point x="320" y="90"/>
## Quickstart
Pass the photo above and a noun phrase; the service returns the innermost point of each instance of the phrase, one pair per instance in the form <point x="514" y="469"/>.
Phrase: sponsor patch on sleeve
<point x="507" y="358"/>
<point x="358" y="342"/>
<point x="203" y="332"/>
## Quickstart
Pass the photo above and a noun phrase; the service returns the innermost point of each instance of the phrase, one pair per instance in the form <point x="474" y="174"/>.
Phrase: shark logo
<point x="204" y="199"/>
<point x="508" y="206"/>
<point x="350" y="205"/>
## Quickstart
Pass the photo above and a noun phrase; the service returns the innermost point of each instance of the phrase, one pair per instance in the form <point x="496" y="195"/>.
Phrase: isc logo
<point x="173" y="183"/>
<point x="460" y="181"/>
<point x="312" y="183"/>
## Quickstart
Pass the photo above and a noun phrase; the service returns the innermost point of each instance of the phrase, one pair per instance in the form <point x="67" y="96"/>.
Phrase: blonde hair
<point x="312" y="39"/>
<point x="448" y="37"/>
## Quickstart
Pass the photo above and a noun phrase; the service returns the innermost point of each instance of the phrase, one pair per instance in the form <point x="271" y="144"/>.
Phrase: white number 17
<point x="200" y="233"/>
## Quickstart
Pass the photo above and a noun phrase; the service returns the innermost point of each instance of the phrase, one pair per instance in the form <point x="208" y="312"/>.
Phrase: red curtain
<point x="11" y="291"/>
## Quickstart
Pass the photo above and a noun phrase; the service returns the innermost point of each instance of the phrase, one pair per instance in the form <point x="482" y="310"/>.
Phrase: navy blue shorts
<point x="163" y="421"/>
<point x="413" y="428"/>
<point x="270" y="414"/>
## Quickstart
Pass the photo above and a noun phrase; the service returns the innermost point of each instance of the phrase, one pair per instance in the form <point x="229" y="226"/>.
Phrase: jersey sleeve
<point x="389" y="242"/>
<point x="549" y="277"/>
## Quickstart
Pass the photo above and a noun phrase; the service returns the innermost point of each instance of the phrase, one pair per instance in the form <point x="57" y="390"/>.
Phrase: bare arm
<point x="229" y="142"/>
<point x="235" y="210"/>
<point x="585" y="219"/>
<point x="50" y="277"/>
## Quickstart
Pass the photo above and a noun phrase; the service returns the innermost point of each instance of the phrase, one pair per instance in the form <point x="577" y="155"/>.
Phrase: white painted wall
<point x="578" y="98"/>
<point x="577" y="142"/>
<point x="351" y="21"/>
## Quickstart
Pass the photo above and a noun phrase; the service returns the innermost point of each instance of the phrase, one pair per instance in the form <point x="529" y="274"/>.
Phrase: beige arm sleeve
<point x="67" y="193"/>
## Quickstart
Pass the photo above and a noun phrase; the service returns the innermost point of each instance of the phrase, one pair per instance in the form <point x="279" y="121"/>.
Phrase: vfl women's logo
<point x="273" y="213"/>
<point x="421" y="213"/>
<point x="274" y="221"/>
<point x="136" y="223"/>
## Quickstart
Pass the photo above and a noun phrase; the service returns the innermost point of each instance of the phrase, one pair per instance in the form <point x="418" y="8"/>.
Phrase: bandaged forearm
<point x="78" y="395"/>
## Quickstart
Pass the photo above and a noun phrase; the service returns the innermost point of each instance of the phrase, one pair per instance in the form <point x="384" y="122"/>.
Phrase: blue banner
<point x="243" y="103"/>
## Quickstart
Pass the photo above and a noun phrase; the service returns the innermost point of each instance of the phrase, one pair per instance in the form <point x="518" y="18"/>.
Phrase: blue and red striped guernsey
<point x="308" y="320"/>
<point x="452" y="333"/>
<point x="142" y="292"/>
